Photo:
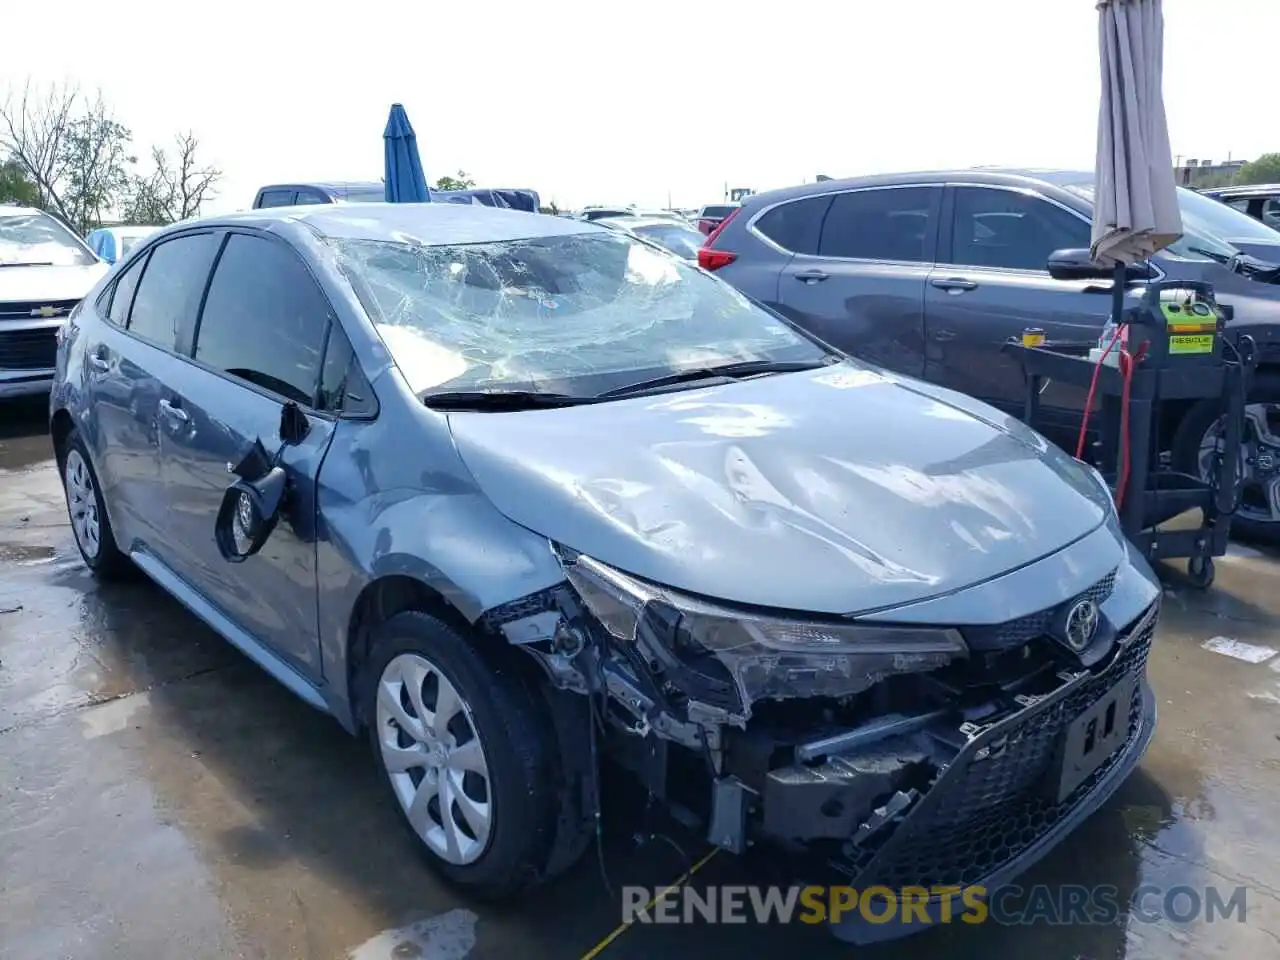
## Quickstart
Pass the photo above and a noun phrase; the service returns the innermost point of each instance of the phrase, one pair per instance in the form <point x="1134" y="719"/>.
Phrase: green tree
<point x="1266" y="169"/>
<point x="460" y="182"/>
<point x="16" y="187"/>
<point x="96" y="161"/>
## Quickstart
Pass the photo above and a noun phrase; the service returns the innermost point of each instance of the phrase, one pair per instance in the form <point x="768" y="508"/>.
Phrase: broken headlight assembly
<point x="726" y="658"/>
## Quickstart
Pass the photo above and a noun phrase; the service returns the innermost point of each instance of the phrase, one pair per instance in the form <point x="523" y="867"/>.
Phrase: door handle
<point x="954" y="284"/>
<point x="173" y="413"/>
<point x="811" y="275"/>
<point x="98" y="363"/>
<point x="943" y="336"/>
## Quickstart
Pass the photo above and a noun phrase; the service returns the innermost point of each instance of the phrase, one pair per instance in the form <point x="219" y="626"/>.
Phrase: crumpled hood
<point x="48" y="283"/>
<point x="839" y="490"/>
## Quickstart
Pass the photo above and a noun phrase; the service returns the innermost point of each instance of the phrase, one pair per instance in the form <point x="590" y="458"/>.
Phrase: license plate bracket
<point x="1092" y="739"/>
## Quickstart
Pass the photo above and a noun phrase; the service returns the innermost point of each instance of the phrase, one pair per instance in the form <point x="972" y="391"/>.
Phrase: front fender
<point x="433" y="525"/>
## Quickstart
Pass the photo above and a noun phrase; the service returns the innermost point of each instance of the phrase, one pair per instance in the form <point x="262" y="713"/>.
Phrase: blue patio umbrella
<point x="405" y="181"/>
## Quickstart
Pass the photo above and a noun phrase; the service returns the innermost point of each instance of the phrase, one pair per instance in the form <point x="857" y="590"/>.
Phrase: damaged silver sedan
<point x="509" y="494"/>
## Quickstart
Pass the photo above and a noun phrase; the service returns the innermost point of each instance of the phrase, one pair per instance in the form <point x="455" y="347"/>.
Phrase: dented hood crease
<point x="832" y="491"/>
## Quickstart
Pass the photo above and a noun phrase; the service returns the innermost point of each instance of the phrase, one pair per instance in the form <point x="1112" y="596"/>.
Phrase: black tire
<point x="518" y="740"/>
<point x="108" y="562"/>
<point x="1201" y="572"/>
<point x="1186" y="450"/>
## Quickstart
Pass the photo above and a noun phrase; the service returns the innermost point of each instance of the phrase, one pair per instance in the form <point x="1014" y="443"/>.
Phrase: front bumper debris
<point x="988" y="814"/>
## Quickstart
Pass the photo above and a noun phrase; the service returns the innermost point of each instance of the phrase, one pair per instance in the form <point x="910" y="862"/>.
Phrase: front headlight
<point x="730" y="658"/>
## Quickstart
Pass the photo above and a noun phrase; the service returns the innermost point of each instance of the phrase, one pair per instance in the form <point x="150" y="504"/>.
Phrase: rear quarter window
<point x="795" y="226"/>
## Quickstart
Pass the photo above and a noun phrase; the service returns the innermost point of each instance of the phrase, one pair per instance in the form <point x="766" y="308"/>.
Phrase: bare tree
<point x="33" y="129"/>
<point x="174" y="189"/>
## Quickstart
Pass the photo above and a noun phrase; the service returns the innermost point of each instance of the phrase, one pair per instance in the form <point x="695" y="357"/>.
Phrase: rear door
<point x="151" y="308"/>
<point x="863" y="291"/>
<point x="259" y="342"/>
<point x="766" y="242"/>
<point x="992" y="282"/>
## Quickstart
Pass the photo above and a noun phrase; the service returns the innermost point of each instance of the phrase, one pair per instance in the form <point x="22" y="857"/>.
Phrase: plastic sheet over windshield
<point x="38" y="239"/>
<point x="579" y="314"/>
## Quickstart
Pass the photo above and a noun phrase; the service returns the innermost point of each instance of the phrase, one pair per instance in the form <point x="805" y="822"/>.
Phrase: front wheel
<point x="467" y="752"/>
<point x="1195" y="451"/>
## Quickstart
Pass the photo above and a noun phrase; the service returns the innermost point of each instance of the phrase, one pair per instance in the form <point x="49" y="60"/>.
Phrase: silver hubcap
<point x="432" y="752"/>
<point x="83" y="505"/>
<point x="1259" y="463"/>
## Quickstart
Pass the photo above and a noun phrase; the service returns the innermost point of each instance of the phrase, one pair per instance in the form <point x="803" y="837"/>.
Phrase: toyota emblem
<point x="1081" y="625"/>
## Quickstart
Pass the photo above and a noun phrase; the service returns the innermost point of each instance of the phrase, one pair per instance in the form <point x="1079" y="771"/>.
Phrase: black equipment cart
<point x="1176" y="342"/>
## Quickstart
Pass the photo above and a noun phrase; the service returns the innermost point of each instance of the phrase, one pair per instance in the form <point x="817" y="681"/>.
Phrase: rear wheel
<point x="468" y="754"/>
<point x="88" y="513"/>
<point x="1195" y="451"/>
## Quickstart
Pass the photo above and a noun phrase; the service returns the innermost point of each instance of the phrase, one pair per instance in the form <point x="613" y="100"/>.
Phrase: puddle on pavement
<point x="25" y="554"/>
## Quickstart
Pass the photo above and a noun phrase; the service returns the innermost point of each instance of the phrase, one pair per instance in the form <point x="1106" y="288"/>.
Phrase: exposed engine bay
<point x="822" y="751"/>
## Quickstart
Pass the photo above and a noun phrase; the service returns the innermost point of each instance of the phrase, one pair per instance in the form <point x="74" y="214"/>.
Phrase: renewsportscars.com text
<point x="1010" y="905"/>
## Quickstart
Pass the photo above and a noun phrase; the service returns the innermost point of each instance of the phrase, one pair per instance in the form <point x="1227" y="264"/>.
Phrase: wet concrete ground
<point x="161" y="797"/>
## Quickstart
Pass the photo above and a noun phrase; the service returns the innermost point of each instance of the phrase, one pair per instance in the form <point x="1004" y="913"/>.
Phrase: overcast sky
<point x="616" y="101"/>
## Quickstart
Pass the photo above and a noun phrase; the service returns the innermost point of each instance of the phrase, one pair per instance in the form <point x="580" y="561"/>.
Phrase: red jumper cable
<point x="1127" y="363"/>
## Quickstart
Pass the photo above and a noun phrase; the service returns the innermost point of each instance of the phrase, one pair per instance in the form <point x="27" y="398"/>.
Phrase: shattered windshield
<point x="38" y="239"/>
<point x="579" y="314"/>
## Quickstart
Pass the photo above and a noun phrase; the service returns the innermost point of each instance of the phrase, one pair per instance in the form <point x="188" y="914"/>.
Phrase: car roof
<point x="1246" y="190"/>
<point x="431" y="224"/>
<point x="327" y="185"/>
<point x="12" y="210"/>
<point x="992" y="175"/>
<point x="632" y="223"/>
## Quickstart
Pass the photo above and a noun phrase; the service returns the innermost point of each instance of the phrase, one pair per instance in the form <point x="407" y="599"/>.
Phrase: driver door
<point x="991" y="282"/>
<point x="259" y="344"/>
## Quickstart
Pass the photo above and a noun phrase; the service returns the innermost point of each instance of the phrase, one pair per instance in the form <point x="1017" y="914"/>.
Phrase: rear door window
<point x="1011" y="230"/>
<point x="264" y="319"/>
<point x="276" y="198"/>
<point x="797" y="225"/>
<point x="169" y="293"/>
<point x="895" y="224"/>
<point x="1271" y="212"/>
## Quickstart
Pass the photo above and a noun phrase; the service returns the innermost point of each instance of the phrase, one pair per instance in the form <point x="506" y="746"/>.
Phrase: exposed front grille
<point x="987" y="807"/>
<point x="1013" y="633"/>
<point x="28" y="349"/>
<point x="35" y="309"/>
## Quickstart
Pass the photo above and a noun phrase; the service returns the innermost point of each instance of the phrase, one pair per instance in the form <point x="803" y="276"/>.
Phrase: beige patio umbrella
<point x="1135" y="211"/>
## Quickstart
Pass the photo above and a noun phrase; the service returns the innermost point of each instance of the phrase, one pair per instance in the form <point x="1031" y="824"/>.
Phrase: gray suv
<point x="506" y="493"/>
<point x="927" y="274"/>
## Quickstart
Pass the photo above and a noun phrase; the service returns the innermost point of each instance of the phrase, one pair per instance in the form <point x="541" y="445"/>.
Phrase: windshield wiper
<point x="1211" y="254"/>
<point x="33" y="263"/>
<point x="500" y="400"/>
<point x="743" y="368"/>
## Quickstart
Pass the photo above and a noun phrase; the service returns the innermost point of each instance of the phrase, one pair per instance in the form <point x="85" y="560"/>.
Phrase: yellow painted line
<point x="662" y="894"/>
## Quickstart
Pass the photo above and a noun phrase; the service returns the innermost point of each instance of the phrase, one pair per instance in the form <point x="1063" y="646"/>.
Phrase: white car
<point x="113" y="243"/>
<point x="45" y="270"/>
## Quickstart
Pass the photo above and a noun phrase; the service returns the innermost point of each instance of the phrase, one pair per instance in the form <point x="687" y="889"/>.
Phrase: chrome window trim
<point x="751" y="224"/>
<point x="1035" y="194"/>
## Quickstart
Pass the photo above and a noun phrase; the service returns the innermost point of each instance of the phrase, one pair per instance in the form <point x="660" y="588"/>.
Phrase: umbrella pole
<point x="1117" y="294"/>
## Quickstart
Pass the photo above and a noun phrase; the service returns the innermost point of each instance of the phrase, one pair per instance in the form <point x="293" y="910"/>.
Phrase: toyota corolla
<point x="507" y="494"/>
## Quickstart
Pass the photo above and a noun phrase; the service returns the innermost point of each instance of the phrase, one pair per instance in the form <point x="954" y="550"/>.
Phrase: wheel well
<point x="60" y="428"/>
<point x="1173" y="411"/>
<point x="378" y="602"/>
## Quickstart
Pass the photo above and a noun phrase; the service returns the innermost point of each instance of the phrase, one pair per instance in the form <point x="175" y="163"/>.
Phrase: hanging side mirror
<point x="251" y="505"/>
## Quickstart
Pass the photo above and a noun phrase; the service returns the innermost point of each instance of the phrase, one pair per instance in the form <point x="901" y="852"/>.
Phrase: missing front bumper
<point x="1005" y="797"/>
